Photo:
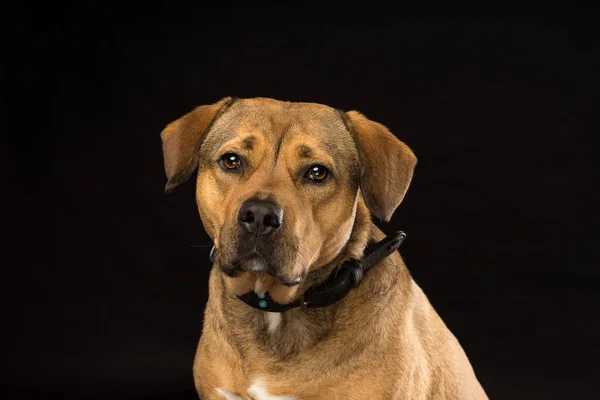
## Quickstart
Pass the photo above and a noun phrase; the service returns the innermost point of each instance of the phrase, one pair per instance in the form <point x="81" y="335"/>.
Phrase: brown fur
<point x="383" y="340"/>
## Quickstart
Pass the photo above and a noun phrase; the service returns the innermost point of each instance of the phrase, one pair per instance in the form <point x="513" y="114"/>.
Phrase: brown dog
<point x="284" y="190"/>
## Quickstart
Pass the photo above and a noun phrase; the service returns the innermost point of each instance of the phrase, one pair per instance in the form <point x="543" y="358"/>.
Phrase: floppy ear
<point x="387" y="165"/>
<point x="181" y="141"/>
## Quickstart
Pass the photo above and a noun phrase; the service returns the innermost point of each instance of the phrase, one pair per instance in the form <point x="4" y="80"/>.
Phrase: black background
<point x="105" y="277"/>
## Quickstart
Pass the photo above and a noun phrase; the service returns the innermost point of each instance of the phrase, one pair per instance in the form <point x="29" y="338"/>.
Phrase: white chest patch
<point x="258" y="392"/>
<point x="273" y="320"/>
<point x="227" y="395"/>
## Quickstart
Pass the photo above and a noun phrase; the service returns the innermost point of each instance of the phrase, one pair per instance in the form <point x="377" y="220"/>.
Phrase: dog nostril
<point x="271" y="220"/>
<point x="248" y="217"/>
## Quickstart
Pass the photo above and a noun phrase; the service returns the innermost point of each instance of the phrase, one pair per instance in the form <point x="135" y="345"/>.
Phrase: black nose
<point x="260" y="217"/>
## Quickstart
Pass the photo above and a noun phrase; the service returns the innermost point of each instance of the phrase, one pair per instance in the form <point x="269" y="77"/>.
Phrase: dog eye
<point x="317" y="173"/>
<point x="231" y="161"/>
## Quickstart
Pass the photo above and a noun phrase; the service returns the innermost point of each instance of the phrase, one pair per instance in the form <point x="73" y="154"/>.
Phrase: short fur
<point x="383" y="340"/>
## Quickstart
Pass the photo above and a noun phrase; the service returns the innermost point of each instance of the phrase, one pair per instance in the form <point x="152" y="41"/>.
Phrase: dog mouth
<point x="256" y="262"/>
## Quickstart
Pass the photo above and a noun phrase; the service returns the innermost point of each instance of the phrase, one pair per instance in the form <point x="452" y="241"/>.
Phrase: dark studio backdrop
<point x="105" y="277"/>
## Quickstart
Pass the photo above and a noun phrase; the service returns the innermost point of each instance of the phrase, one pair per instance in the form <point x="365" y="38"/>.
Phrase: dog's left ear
<point x="387" y="165"/>
<point x="181" y="141"/>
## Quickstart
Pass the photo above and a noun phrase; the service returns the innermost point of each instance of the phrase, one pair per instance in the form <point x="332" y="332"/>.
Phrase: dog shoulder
<point x="450" y="370"/>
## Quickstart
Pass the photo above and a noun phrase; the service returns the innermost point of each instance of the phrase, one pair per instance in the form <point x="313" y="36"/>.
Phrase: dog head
<point x="278" y="184"/>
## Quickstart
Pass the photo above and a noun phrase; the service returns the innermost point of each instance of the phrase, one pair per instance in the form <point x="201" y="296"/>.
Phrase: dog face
<point x="278" y="184"/>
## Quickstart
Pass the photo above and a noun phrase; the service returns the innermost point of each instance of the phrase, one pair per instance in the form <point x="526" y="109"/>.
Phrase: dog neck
<point x="283" y="334"/>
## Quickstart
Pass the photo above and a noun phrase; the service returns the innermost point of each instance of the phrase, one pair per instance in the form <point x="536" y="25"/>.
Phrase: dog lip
<point x="236" y="271"/>
<point x="255" y="262"/>
<point x="289" y="282"/>
<point x="232" y="271"/>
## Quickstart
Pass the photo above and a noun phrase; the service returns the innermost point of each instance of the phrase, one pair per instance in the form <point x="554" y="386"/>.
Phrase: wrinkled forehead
<point x="308" y="126"/>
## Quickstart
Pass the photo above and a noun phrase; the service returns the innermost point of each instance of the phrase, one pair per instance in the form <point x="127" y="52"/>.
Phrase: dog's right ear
<point x="181" y="141"/>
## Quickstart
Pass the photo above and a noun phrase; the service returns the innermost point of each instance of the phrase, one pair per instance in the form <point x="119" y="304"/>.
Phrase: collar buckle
<point x="357" y="271"/>
<point x="336" y="287"/>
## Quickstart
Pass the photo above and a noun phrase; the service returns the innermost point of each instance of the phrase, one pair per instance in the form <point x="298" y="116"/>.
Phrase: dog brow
<point x="249" y="142"/>
<point x="304" y="151"/>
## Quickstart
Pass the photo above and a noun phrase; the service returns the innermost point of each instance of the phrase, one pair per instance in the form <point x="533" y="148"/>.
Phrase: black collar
<point x="349" y="275"/>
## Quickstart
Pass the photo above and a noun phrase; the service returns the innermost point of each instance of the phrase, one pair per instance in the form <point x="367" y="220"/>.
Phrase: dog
<point x="287" y="192"/>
